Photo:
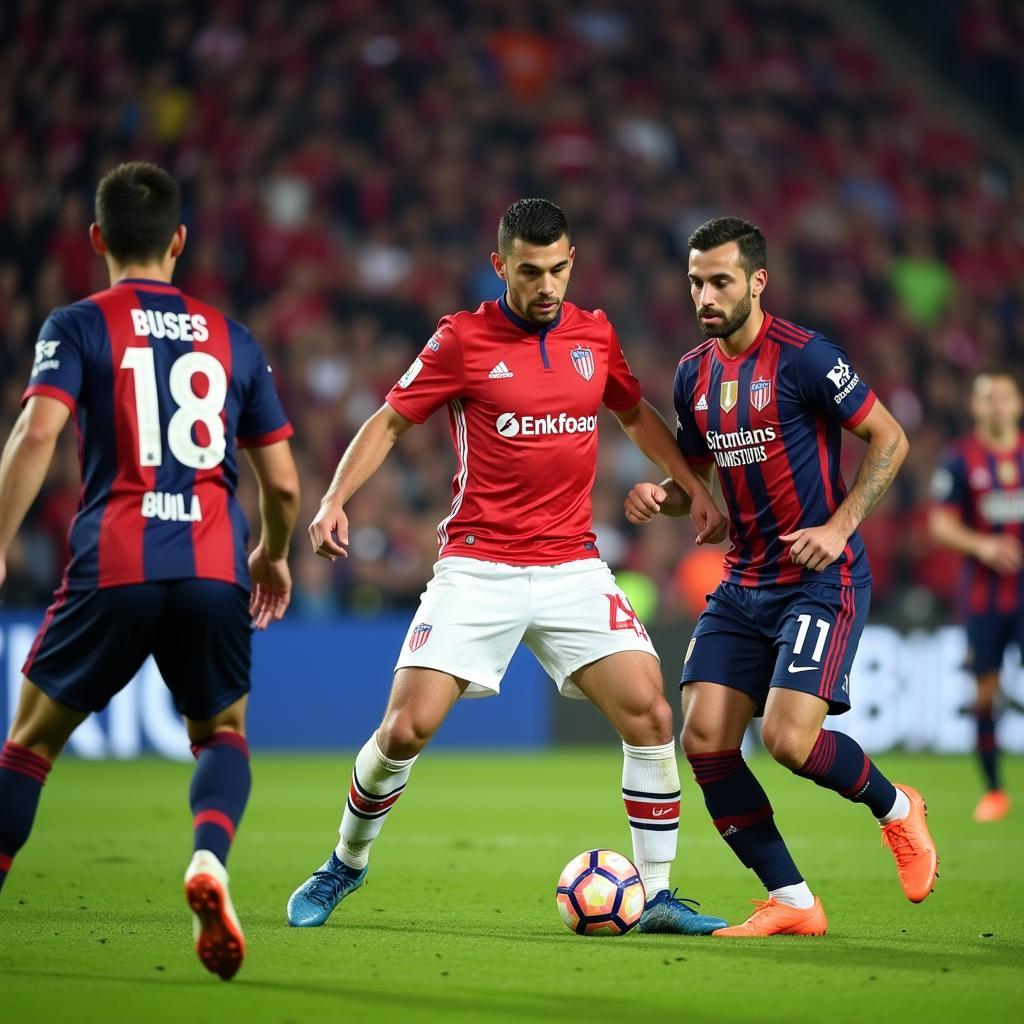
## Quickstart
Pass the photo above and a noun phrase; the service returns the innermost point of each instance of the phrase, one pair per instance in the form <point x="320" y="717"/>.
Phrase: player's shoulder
<point x="692" y="359"/>
<point x="594" y="317"/>
<point x="793" y="337"/>
<point x="79" y="321"/>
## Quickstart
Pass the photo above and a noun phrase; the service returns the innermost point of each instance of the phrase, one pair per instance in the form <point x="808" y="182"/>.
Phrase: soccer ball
<point x="600" y="893"/>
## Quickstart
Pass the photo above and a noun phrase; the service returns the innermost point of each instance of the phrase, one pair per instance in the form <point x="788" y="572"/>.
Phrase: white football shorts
<point x="474" y="614"/>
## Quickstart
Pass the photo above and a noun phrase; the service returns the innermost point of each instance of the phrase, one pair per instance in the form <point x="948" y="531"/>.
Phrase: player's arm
<point x="279" y="508"/>
<point x="362" y="458"/>
<point x="1001" y="552"/>
<point x="647" y="500"/>
<point x="819" y="546"/>
<point x="23" y="465"/>
<point x="690" y="494"/>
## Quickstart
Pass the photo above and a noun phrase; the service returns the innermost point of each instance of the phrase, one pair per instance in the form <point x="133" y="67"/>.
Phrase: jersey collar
<point x="149" y="285"/>
<point x="525" y="325"/>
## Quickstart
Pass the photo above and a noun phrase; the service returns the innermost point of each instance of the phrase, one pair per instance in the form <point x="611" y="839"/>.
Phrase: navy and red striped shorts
<point x="799" y="637"/>
<point x="92" y="642"/>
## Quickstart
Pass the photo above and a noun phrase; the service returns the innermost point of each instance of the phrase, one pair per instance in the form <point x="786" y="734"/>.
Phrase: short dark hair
<point x="753" y="248"/>
<point x="997" y="370"/>
<point x="138" y="209"/>
<point x="537" y="221"/>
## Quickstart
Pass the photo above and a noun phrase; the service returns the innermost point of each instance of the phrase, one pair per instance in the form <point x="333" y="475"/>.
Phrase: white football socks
<point x="899" y="810"/>
<point x="798" y="895"/>
<point x="650" y="791"/>
<point x="377" y="783"/>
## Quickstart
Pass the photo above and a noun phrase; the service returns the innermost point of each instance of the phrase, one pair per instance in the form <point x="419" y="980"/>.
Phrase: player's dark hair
<point x="138" y="209"/>
<point x="720" y="230"/>
<point x="997" y="370"/>
<point x="537" y="221"/>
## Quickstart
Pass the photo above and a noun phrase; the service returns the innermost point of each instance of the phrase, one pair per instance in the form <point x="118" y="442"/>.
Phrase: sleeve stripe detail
<point x="263" y="440"/>
<point x="861" y="414"/>
<point x="48" y="391"/>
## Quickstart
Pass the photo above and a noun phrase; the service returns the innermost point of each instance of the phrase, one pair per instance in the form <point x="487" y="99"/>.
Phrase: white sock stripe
<point x="376" y="797"/>
<point x="656" y="798"/>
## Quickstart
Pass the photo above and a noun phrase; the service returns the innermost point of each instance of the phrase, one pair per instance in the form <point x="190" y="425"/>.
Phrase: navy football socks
<point x="219" y="791"/>
<point x="988" y="749"/>
<point x="742" y="814"/>
<point x="22" y="774"/>
<point x="837" y="762"/>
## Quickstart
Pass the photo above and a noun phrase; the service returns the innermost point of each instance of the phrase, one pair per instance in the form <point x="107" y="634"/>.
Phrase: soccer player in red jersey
<point x="523" y="379"/>
<point x="979" y="511"/>
<point x="160" y="385"/>
<point x="765" y="402"/>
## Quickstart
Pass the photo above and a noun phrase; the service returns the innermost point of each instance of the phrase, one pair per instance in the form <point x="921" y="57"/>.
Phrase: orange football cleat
<point x="774" y="918"/>
<point x="917" y="863"/>
<point x="993" y="806"/>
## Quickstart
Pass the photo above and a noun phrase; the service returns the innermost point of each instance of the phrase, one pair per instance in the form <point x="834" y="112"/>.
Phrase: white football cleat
<point x="215" y="928"/>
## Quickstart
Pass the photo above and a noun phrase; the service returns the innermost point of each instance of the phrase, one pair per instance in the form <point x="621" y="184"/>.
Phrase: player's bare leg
<point x="794" y="736"/>
<point x="994" y="803"/>
<point x="219" y="791"/>
<point x="627" y="687"/>
<point x="37" y="735"/>
<point x="420" y="701"/>
<point x="714" y="720"/>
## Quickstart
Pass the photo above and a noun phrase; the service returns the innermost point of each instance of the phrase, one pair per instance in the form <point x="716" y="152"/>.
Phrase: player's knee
<point x="789" y="746"/>
<point x="650" y="726"/>
<point x="403" y="735"/>
<point x="699" y="737"/>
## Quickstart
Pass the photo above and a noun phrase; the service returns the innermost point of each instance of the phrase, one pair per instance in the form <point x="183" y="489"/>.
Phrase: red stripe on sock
<point x="368" y="805"/>
<point x="20" y="759"/>
<point x="739" y="821"/>
<point x="214" y="817"/>
<point x="5" y="862"/>
<point x="859" y="784"/>
<point x="225" y="738"/>
<point x="715" y="766"/>
<point x="660" y="811"/>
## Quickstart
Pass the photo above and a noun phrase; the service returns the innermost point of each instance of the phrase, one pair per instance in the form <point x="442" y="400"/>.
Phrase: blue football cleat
<point x="667" y="915"/>
<point x="314" y="901"/>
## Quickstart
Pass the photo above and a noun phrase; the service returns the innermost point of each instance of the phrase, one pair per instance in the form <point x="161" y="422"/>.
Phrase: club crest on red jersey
<point x="760" y="393"/>
<point x="730" y="391"/>
<point x="419" y="635"/>
<point x="583" y="360"/>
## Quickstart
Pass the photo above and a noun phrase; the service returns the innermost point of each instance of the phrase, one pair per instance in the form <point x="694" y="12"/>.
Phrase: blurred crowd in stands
<point x="344" y="167"/>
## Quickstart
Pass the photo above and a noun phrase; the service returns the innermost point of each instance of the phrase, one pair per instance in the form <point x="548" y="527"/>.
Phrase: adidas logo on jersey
<point x="500" y="371"/>
<point x="702" y="404"/>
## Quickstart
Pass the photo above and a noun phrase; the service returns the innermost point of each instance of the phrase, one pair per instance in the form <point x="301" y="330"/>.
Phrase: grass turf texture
<point x="458" y="922"/>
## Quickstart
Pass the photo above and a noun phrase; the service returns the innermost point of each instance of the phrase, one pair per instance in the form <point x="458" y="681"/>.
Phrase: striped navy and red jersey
<point x="522" y="407"/>
<point x="985" y="488"/>
<point x="771" y="419"/>
<point x="161" y="386"/>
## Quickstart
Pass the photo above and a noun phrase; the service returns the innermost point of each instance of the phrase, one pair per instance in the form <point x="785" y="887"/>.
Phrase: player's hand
<point x="1002" y="553"/>
<point x="711" y="525"/>
<point x="644" y="502"/>
<point x="271" y="588"/>
<point x="815" y="547"/>
<point x="3" y="568"/>
<point x="329" y="532"/>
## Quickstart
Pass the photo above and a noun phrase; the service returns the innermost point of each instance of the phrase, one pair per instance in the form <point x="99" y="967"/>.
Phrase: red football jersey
<point x="522" y="406"/>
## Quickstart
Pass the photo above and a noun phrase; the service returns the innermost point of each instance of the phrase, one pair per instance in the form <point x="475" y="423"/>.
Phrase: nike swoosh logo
<point x="802" y="668"/>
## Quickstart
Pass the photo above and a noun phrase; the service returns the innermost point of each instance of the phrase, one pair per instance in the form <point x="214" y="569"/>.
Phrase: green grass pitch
<point x="458" y="922"/>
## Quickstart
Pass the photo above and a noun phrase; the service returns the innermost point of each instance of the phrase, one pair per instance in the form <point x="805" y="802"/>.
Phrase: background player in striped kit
<point x="160" y="386"/>
<point x="523" y="379"/>
<point x="979" y="511"/>
<point x="765" y="402"/>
